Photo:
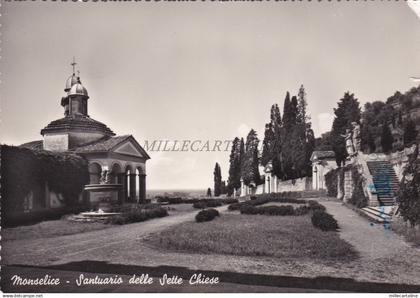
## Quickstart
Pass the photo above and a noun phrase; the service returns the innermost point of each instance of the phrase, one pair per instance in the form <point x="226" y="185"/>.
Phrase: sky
<point x="198" y="70"/>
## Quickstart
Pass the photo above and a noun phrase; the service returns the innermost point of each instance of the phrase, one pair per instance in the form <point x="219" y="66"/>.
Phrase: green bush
<point x="274" y="210"/>
<point x="200" y="205"/>
<point x="249" y="209"/>
<point x="138" y="213"/>
<point x="324" y="221"/>
<point x="206" y="215"/>
<point x="302" y="210"/>
<point x="314" y="206"/>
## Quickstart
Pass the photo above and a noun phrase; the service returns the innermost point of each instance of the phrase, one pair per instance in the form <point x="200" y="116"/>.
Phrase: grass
<point x="410" y="234"/>
<point x="258" y="235"/>
<point x="49" y="229"/>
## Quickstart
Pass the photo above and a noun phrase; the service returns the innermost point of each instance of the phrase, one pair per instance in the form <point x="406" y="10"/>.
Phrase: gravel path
<point x="371" y="240"/>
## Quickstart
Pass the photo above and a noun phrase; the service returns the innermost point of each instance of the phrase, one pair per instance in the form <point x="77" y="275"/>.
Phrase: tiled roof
<point x="34" y="145"/>
<point x="82" y="123"/>
<point x="323" y="154"/>
<point x="103" y="145"/>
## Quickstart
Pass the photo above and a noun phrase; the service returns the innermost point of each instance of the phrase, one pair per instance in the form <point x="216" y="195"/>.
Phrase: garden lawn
<point x="256" y="235"/>
<point x="51" y="228"/>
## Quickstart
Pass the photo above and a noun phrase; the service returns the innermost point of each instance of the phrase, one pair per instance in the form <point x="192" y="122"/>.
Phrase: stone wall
<point x="300" y="184"/>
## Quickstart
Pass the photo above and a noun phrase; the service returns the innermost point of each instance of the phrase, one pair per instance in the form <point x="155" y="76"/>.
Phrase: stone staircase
<point x="385" y="181"/>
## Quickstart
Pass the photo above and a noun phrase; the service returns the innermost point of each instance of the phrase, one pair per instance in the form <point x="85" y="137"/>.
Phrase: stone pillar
<point x="242" y="188"/>
<point x="142" y="188"/>
<point x="122" y="191"/>
<point x="340" y="194"/>
<point x="132" y="187"/>
<point x="275" y="184"/>
<point x="124" y="183"/>
<point x="267" y="183"/>
<point x="348" y="185"/>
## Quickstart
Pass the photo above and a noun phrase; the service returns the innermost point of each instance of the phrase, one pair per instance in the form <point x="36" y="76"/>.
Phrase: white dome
<point x="78" y="89"/>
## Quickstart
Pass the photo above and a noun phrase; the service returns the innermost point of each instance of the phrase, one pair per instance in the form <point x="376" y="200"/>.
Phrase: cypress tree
<point x="234" y="181"/>
<point x="217" y="180"/>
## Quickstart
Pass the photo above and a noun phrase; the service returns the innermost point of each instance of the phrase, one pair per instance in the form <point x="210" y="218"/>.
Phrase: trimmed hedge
<point x="179" y="200"/>
<point x="137" y="213"/>
<point x="268" y="210"/>
<point x="324" y="221"/>
<point x="207" y="204"/>
<point x="266" y="198"/>
<point x="206" y="215"/>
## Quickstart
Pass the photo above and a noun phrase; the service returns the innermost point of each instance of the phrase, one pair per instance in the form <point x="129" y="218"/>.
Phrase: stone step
<point x="376" y="215"/>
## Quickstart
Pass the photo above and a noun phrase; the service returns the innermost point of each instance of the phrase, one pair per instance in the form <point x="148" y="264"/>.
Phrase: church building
<point x="120" y="156"/>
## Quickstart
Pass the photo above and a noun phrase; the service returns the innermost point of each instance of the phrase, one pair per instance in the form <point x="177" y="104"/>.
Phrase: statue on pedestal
<point x="349" y="142"/>
<point x="105" y="177"/>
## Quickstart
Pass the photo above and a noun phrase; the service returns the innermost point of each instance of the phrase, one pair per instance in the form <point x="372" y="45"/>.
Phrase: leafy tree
<point x="217" y="180"/>
<point x="348" y="111"/>
<point x="408" y="195"/>
<point x="323" y="143"/>
<point x="386" y="138"/>
<point x="234" y="180"/>
<point x="249" y="165"/>
<point x="410" y="132"/>
<point x="209" y="192"/>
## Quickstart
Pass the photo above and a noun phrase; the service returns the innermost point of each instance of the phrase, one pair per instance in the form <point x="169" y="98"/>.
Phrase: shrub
<point x="199" y="205"/>
<point x="248" y="209"/>
<point x="206" y="215"/>
<point x="268" y="210"/>
<point x="302" y="210"/>
<point x="138" y="213"/>
<point x="213" y="204"/>
<point x="324" y="221"/>
<point x="229" y="201"/>
<point x="314" y="206"/>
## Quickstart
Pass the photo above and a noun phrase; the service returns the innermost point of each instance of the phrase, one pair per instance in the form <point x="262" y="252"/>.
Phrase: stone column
<point x="124" y="183"/>
<point x="142" y="188"/>
<point x="122" y="190"/>
<point x="340" y="194"/>
<point x="132" y="187"/>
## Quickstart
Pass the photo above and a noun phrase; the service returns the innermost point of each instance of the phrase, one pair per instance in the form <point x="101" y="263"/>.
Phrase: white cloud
<point x="415" y="6"/>
<point x="325" y="121"/>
